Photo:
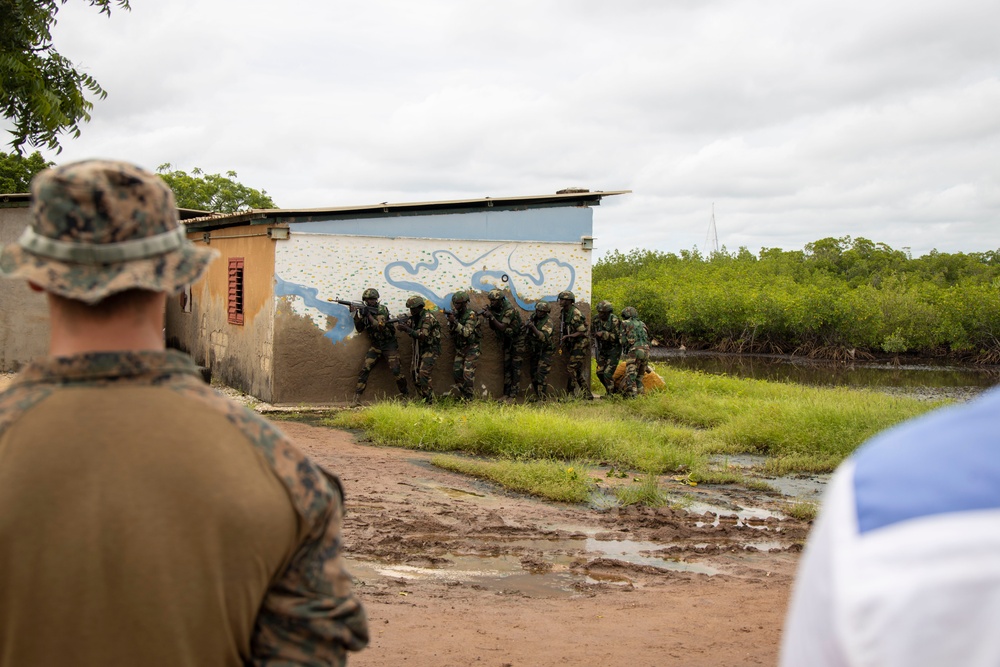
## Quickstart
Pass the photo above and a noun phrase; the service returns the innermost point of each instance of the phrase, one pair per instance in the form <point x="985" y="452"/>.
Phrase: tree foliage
<point x="838" y="298"/>
<point x="16" y="171"/>
<point x="212" y="192"/>
<point x="40" y="90"/>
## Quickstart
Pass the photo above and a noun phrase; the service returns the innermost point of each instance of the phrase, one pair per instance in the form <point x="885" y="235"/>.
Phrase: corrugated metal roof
<point x="562" y="198"/>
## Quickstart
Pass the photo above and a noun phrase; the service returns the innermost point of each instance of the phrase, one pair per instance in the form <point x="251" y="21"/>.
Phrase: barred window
<point x="236" y="290"/>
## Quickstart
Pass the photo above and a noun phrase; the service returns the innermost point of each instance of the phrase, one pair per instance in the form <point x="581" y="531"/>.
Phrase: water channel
<point x="942" y="379"/>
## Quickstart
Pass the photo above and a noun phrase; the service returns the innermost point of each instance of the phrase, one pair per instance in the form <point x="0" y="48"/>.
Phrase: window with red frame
<point x="236" y="290"/>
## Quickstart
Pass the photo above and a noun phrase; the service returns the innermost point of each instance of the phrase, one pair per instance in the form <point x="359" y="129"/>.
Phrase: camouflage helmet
<point x="605" y="307"/>
<point x="495" y="295"/>
<point x="542" y="307"/>
<point x="415" y="301"/>
<point x="99" y="227"/>
<point x="566" y="294"/>
<point x="461" y="296"/>
<point x="370" y="293"/>
<point x="629" y="312"/>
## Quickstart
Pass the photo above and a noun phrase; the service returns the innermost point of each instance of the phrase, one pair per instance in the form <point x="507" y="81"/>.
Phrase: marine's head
<point x="629" y="312"/>
<point x="604" y="310"/>
<point x="459" y="300"/>
<point x="415" y="303"/>
<point x="370" y="296"/>
<point x="566" y="298"/>
<point x="99" y="227"/>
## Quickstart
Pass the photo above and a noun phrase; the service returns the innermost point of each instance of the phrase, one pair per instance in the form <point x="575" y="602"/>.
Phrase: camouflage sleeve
<point x="310" y="617"/>
<point x="468" y="329"/>
<point x="579" y="323"/>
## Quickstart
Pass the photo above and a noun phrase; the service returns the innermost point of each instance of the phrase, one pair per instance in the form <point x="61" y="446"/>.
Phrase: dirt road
<point x="458" y="572"/>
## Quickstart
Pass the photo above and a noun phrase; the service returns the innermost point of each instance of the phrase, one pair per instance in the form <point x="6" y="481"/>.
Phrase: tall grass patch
<point x="555" y="480"/>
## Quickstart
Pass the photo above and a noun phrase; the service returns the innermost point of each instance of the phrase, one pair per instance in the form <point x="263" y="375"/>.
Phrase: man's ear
<point x="35" y="287"/>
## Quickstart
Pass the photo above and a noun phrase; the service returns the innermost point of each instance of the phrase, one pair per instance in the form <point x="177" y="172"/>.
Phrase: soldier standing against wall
<point x="374" y="320"/>
<point x="635" y="348"/>
<point x="573" y="339"/>
<point x="607" y="331"/>
<point x="541" y="344"/>
<point x="506" y="322"/>
<point x="464" y="326"/>
<point x="426" y="333"/>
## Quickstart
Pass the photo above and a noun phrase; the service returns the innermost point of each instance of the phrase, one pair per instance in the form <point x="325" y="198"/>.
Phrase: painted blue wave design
<point x="479" y="279"/>
<point x="345" y="324"/>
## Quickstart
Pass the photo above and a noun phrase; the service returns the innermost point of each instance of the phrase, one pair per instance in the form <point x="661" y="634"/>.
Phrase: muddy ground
<point x="454" y="571"/>
<point x="457" y="572"/>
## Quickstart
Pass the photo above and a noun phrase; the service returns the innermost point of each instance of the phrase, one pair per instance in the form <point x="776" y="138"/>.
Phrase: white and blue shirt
<point x="902" y="568"/>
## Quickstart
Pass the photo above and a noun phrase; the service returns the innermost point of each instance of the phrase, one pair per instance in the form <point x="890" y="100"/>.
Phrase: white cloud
<point x="797" y="120"/>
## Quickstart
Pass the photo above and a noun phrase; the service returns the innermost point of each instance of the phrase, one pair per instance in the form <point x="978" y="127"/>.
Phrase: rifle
<point x="396" y="320"/>
<point x="360" y="306"/>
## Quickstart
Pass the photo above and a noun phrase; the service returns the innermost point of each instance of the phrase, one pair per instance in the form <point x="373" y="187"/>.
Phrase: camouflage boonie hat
<point x="543" y="307"/>
<point x="99" y="227"/>
<point x="370" y="293"/>
<point x="567" y="295"/>
<point x="495" y="295"/>
<point x="415" y="302"/>
<point x="629" y="312"/>
<point x="461" y="296"/>
<point x="605" y="307"/>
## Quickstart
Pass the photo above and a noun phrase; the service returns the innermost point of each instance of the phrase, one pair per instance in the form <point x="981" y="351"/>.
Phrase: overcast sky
<point x="798" y="119"/>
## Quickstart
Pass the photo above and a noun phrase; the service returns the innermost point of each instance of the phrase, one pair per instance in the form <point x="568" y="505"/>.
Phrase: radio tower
<point x="712" y="238"/>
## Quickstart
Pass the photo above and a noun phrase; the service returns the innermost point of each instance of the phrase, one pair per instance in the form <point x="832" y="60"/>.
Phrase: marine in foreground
<point x="144" y="519"/>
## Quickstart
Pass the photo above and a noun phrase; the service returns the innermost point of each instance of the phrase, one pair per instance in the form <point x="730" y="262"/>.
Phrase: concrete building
<point x="266" y="321"/>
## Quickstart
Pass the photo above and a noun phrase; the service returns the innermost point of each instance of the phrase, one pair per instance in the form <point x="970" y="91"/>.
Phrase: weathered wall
<point x="24" y="315"/>
<point x="317" y="354"/>
<point x="240" y="356"/>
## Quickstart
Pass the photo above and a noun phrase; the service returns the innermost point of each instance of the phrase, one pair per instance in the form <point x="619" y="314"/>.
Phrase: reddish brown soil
<point x="424" y="545"/>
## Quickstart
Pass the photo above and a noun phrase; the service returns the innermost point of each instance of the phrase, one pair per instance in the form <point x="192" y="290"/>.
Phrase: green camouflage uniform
<point x="609" y="349"/>
<point x="572" y="321"/>
<point x="426" y="334"/>
<point x="465" y="334"/>
<point x="511" y="344"/>
<point x="635" y="349"/>
<point x="541" y="345"/>
<point x="383" y="344"/>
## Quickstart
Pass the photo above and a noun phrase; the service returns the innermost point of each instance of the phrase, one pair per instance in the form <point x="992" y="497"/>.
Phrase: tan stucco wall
<point x="239" y="356"/>
<point x="24" y="315"/>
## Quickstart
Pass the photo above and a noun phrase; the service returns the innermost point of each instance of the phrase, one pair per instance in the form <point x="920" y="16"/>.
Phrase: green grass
<point x="674" y="430"/>
<point x="554" y="480"/>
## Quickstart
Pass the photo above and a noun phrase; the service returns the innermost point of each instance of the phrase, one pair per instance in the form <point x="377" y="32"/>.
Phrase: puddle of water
<point x="458" y="493"/>
<point x="506" y="573"/>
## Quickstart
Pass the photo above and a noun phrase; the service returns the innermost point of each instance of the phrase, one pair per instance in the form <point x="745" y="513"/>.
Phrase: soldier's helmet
<point x="415" y="301"/>
<point x="495" y="295"/>
<point x="461" y="296"/>
<point x="567" y="295"/>
<point x="629" y="312"/>
<point x="543" y="307"/>
<point x="605" y="307"/>
<point x="370" y="293"/>
<point x="99" y="227"/>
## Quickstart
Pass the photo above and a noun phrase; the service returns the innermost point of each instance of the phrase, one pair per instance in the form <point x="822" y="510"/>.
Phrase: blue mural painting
<point x="345" y="324"/>
<point x="427" y="277"/>
<point x="482" y="280"/>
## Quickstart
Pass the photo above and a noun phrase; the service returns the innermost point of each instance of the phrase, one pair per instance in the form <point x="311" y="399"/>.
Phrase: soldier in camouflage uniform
<point x="541" y="344"/>
<point x="635" y="349"/>
<point x="464" y="326"/>
<point x="425" y="330"/>
<point x="573" y="339"/>
<point x="374" y="320"/>
<point x="606" y="329"/>
<point x="506" y="322"/>
<point x="146" y="519"/>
